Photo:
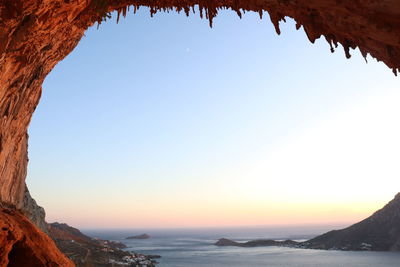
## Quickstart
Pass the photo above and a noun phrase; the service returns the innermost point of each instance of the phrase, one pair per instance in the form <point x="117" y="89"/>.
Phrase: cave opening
<point x="98" y="116"/>
<point x="22" y="254"/>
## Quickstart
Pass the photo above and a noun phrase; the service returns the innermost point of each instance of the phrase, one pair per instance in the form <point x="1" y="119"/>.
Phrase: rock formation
<point x="379" y="232"/>
<point x="23" y="244"/>
<point x="36" y="34"/>
<point x="34" y="212"/>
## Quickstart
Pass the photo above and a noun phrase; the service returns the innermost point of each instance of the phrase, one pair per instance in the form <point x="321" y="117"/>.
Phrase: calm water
<point x="194" y="247"/>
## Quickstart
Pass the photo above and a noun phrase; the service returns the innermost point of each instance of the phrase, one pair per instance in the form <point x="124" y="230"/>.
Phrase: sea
<point x="195" y="248"/>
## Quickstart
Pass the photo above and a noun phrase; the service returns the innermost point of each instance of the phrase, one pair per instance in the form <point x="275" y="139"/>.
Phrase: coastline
<point x="182" y="249"/>
<point x="84" y="250"/>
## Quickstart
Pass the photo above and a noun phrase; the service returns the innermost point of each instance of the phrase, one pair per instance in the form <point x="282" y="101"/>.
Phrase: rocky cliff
<point x="36" y="34"/>
<point x="379" y="232"/>
<point x="34" y="212"/>
<point x="23" y="244"/>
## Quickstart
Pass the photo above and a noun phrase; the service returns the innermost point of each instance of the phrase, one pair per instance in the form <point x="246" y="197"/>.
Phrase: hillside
<point x="86" y="251"/>
<point x="379" y="232"/>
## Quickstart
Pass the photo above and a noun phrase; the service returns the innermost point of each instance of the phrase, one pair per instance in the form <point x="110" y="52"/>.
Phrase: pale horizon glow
<point x="178" y="132"/>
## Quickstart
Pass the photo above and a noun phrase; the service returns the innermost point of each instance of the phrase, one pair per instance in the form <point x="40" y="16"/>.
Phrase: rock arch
<point x="36" y="34"/>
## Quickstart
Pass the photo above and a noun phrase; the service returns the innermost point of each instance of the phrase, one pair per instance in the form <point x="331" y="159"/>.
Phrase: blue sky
<point x="167" y="115"/>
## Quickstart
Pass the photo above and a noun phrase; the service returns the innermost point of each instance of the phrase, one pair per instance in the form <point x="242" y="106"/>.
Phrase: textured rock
<point x="36" y="34"/>
<point x="34" y="212"/>
<point x="23" y="244"/>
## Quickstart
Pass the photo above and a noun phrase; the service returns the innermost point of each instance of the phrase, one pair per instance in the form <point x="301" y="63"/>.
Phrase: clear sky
<point x="164" y="122"/>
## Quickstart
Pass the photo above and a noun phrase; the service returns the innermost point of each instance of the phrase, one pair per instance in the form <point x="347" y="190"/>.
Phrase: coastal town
<point x="134" y="260"/>
<point x="86" y="251"/>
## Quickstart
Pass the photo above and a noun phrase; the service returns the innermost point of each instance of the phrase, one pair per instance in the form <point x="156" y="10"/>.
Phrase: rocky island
<point x="224" y="242"/>
<point x="142" y="236"/>
<point x="379" y="232"/>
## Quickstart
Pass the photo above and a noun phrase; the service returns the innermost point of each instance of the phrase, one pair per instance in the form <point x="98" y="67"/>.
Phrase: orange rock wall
<point x="24" y="245"/>
<point x="36" y="34"/>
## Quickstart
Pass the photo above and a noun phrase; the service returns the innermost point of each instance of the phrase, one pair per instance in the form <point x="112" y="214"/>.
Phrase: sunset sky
<point x="165" y="122"/>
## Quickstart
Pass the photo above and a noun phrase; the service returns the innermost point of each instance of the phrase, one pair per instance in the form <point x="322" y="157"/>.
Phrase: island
<point x="142" y="236"/>
<point x="224" y="242"/>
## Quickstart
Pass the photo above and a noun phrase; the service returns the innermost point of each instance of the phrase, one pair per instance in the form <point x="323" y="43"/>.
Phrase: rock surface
<point x="23" y="244"/>
<point x="379" y="232"/>
<point x="35" y="213"/>
<point x="36" y="34"/>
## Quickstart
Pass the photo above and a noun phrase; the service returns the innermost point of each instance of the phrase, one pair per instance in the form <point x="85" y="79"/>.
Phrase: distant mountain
<point x="379" y="232"/>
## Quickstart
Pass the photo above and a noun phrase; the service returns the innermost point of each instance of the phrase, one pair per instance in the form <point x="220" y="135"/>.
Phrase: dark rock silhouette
<point x="379" y="232"/>
<point x="223" y="242"/>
